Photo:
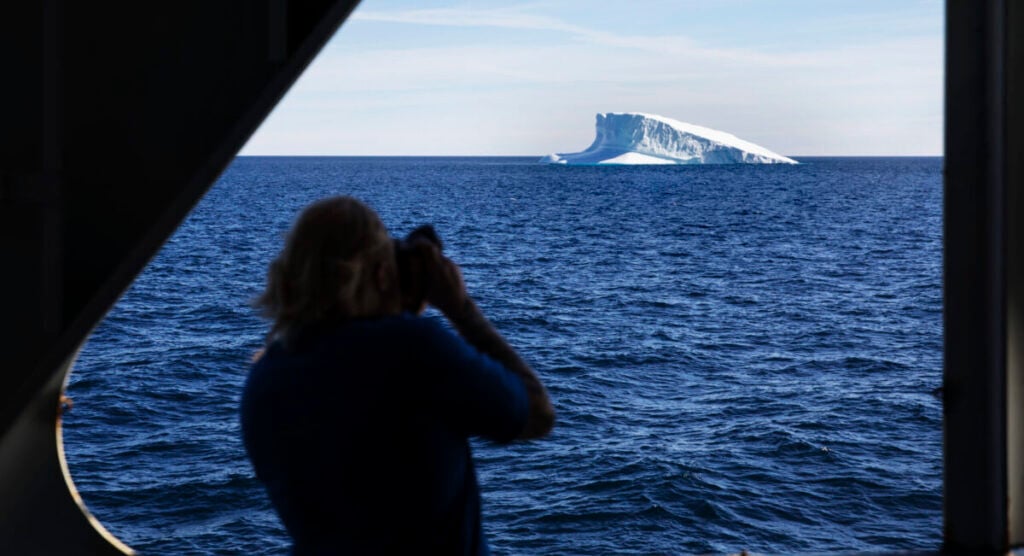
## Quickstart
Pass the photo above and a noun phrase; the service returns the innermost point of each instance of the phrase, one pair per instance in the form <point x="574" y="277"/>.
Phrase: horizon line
<point x="307" y="155"/>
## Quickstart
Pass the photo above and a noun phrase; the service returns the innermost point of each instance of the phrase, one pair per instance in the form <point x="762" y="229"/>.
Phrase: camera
<point x="414" y="256"/>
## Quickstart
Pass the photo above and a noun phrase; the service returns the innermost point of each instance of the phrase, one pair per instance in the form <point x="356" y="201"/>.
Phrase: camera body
<point x="413" y="256"/>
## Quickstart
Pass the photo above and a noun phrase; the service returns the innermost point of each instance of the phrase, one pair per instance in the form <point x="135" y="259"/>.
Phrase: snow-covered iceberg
<point x="635" y="138"/>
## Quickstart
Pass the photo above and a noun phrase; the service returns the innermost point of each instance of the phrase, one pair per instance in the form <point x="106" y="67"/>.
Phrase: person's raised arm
<point x="448" y="293"/>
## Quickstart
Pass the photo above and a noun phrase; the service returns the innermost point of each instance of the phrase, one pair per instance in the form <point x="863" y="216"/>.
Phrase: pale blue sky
<point x="809" y="77"/>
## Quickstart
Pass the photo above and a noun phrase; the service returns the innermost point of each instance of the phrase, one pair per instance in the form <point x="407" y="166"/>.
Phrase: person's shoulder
<point x="371" y="333"/>
<point x="356" y="330"/>
<point x="263" y="375"/>
<point x="410" y="323"/>
<point x="263" y="362"/>
<point x="430" y="334"/>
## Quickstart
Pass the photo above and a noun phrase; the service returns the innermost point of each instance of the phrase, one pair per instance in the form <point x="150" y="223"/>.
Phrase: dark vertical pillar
<point x="1014" y="215"/>
<point x="983" y="393"/>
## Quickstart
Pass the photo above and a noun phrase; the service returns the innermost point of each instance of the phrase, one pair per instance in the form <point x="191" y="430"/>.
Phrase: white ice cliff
<point x="635" y="138"/>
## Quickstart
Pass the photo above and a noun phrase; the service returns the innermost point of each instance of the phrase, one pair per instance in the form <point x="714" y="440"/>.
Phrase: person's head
<point x="338" y="262"/>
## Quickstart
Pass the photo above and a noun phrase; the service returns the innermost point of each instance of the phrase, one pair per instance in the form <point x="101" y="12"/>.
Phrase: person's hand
<point x="447" y="291"/>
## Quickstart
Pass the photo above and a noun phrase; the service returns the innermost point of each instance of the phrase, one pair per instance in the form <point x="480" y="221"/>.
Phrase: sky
<point x="799" y="77"/>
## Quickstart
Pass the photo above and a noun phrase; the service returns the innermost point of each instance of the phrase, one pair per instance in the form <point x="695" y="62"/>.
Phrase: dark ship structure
<point x="117" y="117"/>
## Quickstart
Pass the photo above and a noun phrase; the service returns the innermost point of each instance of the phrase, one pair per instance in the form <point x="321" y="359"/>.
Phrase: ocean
<point x="740" y="356"/>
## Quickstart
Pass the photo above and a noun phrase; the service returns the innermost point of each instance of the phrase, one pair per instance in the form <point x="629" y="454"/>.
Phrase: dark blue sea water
<point x="741" y="357"/>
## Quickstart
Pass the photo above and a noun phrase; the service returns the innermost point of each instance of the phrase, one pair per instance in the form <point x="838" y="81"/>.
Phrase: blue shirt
<point x="359" y="431"/>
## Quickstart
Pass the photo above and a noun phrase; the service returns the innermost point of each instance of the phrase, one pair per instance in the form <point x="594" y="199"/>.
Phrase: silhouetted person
<point x="357" y="415"/>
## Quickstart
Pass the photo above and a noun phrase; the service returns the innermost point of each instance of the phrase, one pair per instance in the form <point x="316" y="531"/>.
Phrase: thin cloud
<point x="451" y="17"/>
<point x="517" y="19"/>
<point x="521" y="17"/>
<point x="366" y="94"/>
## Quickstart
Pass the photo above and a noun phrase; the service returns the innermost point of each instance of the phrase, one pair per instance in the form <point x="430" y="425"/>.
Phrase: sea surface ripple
<point x="741" y="357"/>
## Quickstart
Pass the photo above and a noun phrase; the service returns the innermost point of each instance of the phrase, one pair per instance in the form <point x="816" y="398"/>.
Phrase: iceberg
<point x="637" y="138"/>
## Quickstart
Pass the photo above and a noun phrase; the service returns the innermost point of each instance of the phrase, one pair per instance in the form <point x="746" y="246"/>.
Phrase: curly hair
<point x="328" y="268"/>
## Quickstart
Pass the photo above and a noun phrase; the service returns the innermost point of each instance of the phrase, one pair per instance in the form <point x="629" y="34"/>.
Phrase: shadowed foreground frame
<point x="117" y="119"/>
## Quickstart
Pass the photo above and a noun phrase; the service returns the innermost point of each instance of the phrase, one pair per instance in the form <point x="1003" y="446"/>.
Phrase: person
<point x="357" y="415"/>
